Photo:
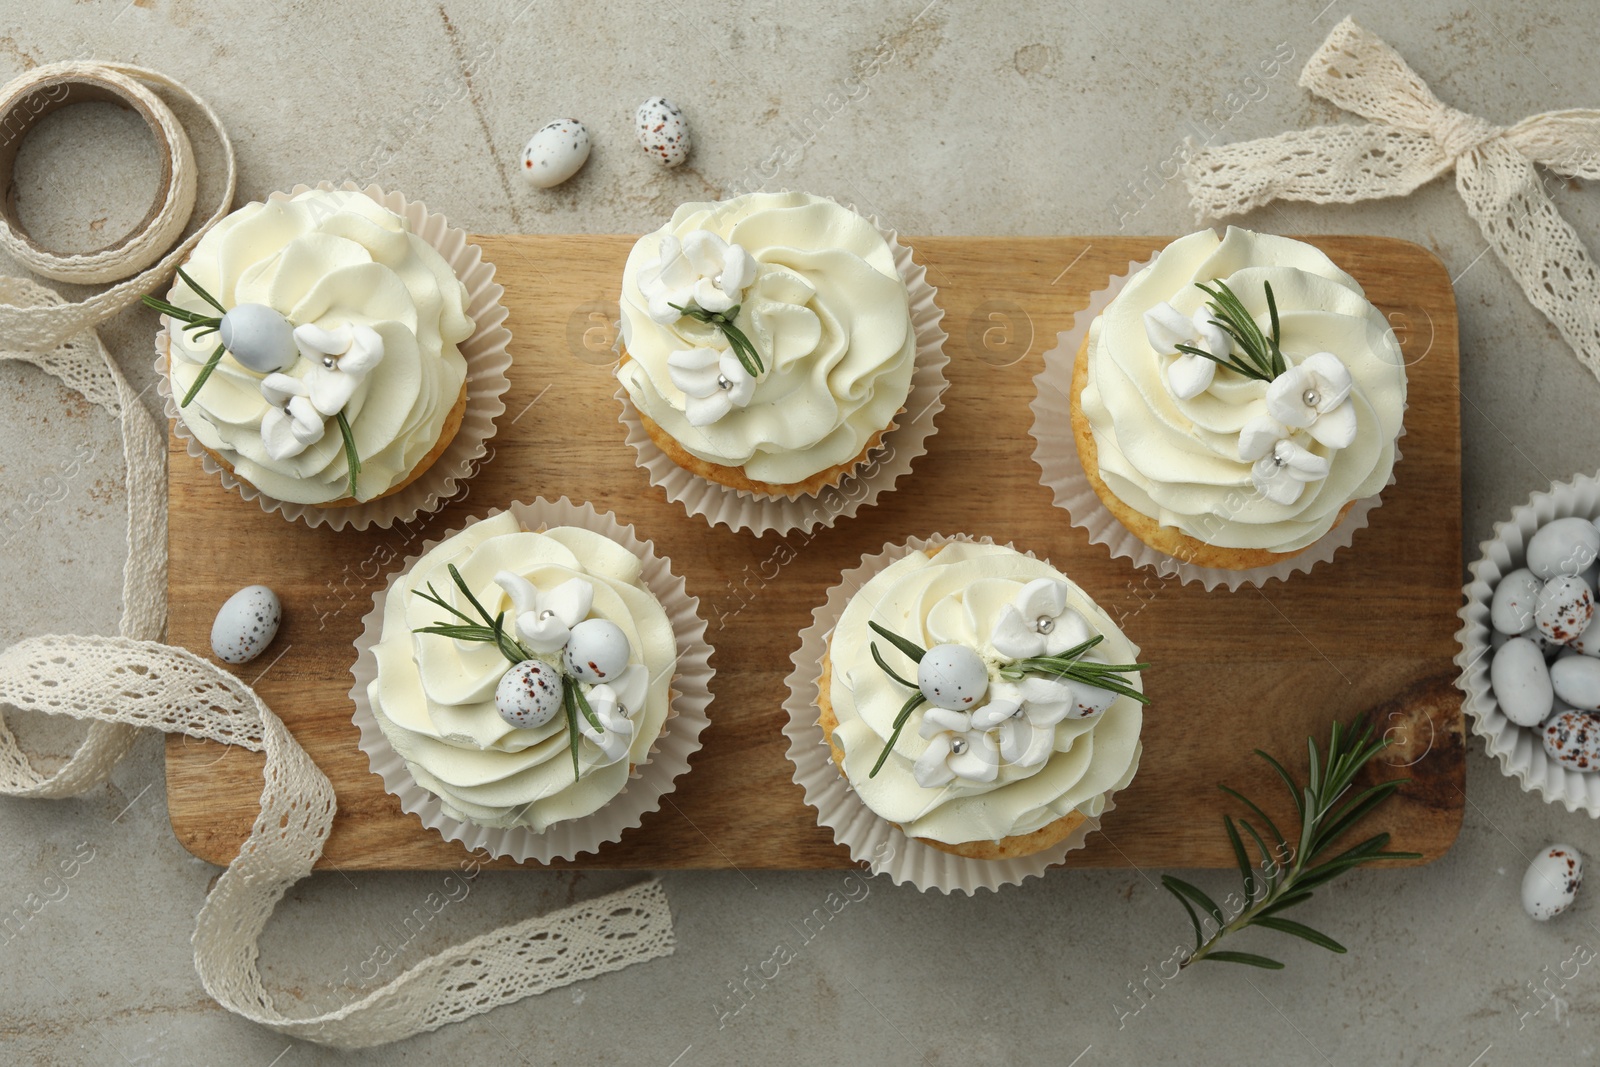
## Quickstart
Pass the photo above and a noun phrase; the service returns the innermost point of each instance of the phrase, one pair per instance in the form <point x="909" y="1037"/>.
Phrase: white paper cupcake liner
<point x="1056" y="454"/>
<point x="487" y="363"/>
<point x="875" y="475"/>
<point x="650" y="780"/>
<point x="871" y="838"/>
<point x="1519" y="749"/>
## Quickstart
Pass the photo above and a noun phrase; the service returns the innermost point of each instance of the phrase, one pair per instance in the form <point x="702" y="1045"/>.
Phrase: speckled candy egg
<point x="1564" y="607"/>
<point x="259" y="338"/>
<point x="529" y="694"/>
<point x="1511" y="610"/>
<point x="664" y="132"/>
<point x="1551" y="882"/>
<point x="1563" y="546"/>
<point x="1521" y="682"/>
<point x="952" y="677"/>
<point x="246" y="624"/>
<point x="1572" y="739"/>
<point x="556" y="153"/>
<point x="597" y="651"/>
<point x="1090" y="700"/>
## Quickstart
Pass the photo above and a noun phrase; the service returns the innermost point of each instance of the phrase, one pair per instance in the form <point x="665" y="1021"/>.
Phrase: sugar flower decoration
<point x="340" y="360"/>
<point x="544" y="621"/>
<point x="613" y="704"/>
<point x="1166" y="328"/>
<point x="1314" y="395"/>
<point x="702" y="270"/>
<point x="955" y="750"/>
<point x="1038" y="622"/>
<point x="1280" y="468"/>
<point x="291" y="423"/>
<point x="713" y="381"/>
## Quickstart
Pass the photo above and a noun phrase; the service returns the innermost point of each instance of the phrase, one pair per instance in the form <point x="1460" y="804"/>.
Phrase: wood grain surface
<point x="1232" y="671"/>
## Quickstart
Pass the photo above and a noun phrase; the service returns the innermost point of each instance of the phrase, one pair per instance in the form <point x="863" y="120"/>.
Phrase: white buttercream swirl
<point x="339" y="261"/>
<point x="434" y="697"/>
<point x="1177" y="460"/>
<point x="960" y="595"/>
<point x="828" y="314"/>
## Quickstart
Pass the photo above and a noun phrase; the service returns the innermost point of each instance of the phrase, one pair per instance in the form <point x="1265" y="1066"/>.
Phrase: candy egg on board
<point x="1521" y="682"/>
<point x="598" y="650"/>
<point x="1576" y="680"/>
<point x="1511" y="610"/>
<point x="557" y="152"/>
<point x="1563" y="546"/>
<point x="246" y="624"/>
<point x="1564" y="608"/>
<point x="529" y="694"/>
<point x="1572" y="739"/>
<point x="1551" y="882"/>
<point x="664" y="133"/>
<point x="953" y="677"/>
<point x="260" y="338"/>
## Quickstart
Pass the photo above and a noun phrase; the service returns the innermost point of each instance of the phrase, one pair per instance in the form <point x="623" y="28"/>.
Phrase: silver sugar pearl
<point x="328" y="361"/>
<point x="958" y="746"/>
<point x="1018" y="713"/>
<point x="1311" y="398"/>
<point x="546" y="615"/>
<point x="723" y="383"/>
<point x="1044" y="624"/>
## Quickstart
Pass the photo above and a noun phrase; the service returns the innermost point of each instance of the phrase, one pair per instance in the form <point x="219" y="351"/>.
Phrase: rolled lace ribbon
<point x="1411" y="139"/>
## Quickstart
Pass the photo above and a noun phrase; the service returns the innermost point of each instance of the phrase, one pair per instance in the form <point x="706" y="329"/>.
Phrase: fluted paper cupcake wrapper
<point x="872" y="839"/>
<point x="486" y="382"/>
<point x="1061" y="468"/>
<point x="1519" y="749"/>
<point x="875" y="475"/>
<point x="650" y="781"/>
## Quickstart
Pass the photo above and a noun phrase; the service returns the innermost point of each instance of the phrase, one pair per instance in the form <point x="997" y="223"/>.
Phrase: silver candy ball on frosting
<point x="952" y="677"/>
<point x="555" y="153"/>
<point x="529" y="694"/>
<point x="663" y="131"/>
<point x="259" y="337"/>
<point x="597" y="651"/>
<point x="246" y="624"/>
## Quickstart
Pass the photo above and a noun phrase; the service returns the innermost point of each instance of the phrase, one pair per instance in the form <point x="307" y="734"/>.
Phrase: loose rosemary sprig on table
<point x="1263" y="359"/>
<point x="1279" y="882"/>
<point x="492" y="630"/>
<point x="743" y="350"/>
<point x="1068" y="664"/>
<point x="200" y="325"/>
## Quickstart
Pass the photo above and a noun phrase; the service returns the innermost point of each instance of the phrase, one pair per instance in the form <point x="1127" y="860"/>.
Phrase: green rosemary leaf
<point x="1298" y="897"/>
<point x="912" y="650"/>
<point x="1247" y="958"/>
<point x="182" y="314"/>
<point x="461" y="584"/>
<point x="899" y="724"/>
<point x="1294" y="790"/>
<point x="1300" y="930"/>
<point x="205" y="372"/>
<point x="583" y="704"/>
<point x="571" y="709"/>
<point x="1353" y="811"/>
<point x="1266" y="819"/>
<point x="1271" y="866"/>
<point x="432" y="596"/>
<point x="352" y="458"/>
<point x="1194" y="920"/>
<point x="458" y="631"/>
<point x="1195" y="894"/>
<point x="207" y="297"/>
<point x="1247" y="869"/>
<point x="878" y="658"/>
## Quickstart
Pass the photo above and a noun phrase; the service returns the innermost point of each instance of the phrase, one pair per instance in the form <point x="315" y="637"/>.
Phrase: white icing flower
<point x="291" y="423"/>
<point x="1314" y="395"/>
<point x="1024" y="714"/>
<point x="614" y="704"/>
<point x="702" y="270"/>
<point x="1281" y="468"/>
<point x="1038" y="622"/>
<point x="713" y="381"/>
<point x="955" y="750"/>
<point x="340" y="360"/>
<point x="544" y="621"/>
<point x="1166" y="327"/>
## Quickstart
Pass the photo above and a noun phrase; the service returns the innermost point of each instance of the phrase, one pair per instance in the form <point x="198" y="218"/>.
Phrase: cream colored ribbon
<point x="119" y="684"/>
<point x="1411" y="139"/>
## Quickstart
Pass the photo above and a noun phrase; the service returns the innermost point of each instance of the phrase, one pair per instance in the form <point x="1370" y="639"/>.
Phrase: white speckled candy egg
<point x="246" y="624"/>
<point x="259" y="338"/>
<point x="952" y="677"/>
<point x="1576" y="680"/>
<point x="1511" y="611"/>
<point x="1564" y="608"/>
<point x="556" y="153"/>
<point x="528" y="694"/>
<point x="1588" y="642"/>
<point x="664" y="133"/>
<point x="598" y="650"/>
<point x="1551" y="882"/>
<point x="1090" y="700"/>
<point x="1521" y="682"/>
<point x="1563" y="546"/>
<point x="1572" y="739"/>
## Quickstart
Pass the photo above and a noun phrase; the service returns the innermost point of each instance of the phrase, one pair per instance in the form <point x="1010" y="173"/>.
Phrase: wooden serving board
<point x="1232" y="671"/>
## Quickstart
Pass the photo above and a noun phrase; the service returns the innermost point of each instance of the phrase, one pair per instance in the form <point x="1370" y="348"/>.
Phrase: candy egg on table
<point x="556" y="152"/>
<point x="1572" y="739"/>
<point x="246" y="624"/>
<point x="1563" y="546"/>
<point x="259" y="337"/>
<point x="952" y="677"/>
<point x="529" y="694"/>
<point x="597" y="651"/>
<point x="1511" y="610"/>
<point x="1551" y="882"/>
<point x="664" y="132"/>
<point x="1563" y="608"/>
<point x="1576" y="680"/>
<point x="1521" y="682"/>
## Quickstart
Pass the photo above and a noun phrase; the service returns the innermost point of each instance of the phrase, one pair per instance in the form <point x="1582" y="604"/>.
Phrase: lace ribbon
<point x="1411" y="139"/>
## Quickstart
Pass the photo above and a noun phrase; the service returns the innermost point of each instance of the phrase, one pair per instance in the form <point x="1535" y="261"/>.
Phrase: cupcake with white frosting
<point x="315" y="349"/>
<point x="768" y="341"/>
<point x="1235" y="398"/>
<point x="980" y="701"/>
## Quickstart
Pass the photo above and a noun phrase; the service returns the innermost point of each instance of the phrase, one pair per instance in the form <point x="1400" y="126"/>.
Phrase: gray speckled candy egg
<point x="1511" y="610"/>
<point x="556" y="153"/>
<point x="259" y="338"/>
<point x="1551" y="882"/>
<point x="664" y="133"/>
<point x="1521" y="682"/>
<point x="1564" y="607"/>
<point x="1572" y="739"/>
<point x="246" y="624"/>
<point x="528" y="694"/>
<point x="1563" y="546"/>
<point x="597" y="651"/>
<point x="952" y="677"/>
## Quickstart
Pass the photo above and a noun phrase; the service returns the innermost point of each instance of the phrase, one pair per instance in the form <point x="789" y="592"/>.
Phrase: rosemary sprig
<point x="1263" y="359"/>
<point x="352" y="458"/>
<point x="743" y="350"/>
<point x="1278" y="882"/>
<point x="197" y="325"/>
